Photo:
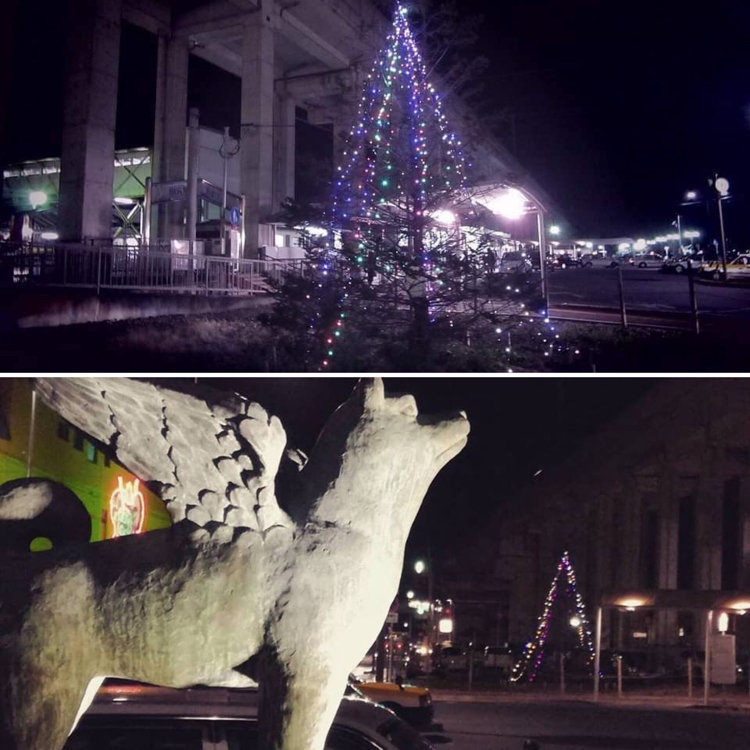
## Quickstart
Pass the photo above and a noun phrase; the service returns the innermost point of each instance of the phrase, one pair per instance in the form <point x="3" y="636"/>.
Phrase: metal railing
<point x="136" y="268"/>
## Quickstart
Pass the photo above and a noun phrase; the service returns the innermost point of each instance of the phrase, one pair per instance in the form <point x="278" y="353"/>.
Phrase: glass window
<point x="63" y="430"/>
<point x="78" y="440"/>
<point x="143" y="738"/>
<point x="90" y="451"/>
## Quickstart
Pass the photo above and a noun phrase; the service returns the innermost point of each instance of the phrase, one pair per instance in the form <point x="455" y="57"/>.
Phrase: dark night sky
<point x="618" y="107"/>
<point x="517" y="427"/>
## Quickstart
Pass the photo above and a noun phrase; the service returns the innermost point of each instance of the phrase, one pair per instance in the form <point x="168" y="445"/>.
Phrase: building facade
<point x="36" y="442"/>
<point x="657" y="500"/>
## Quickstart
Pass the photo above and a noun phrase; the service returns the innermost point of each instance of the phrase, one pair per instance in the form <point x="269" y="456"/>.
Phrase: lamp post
<point x="420" y="567"/>
<point x="721" y="185"/>
<point x="229" y="148"/>
<point x="511" y="205"/>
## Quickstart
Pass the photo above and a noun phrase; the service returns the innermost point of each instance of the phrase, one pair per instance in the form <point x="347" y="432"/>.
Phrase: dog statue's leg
<point x="298" y="701"/>
<point x="38" y="714"/>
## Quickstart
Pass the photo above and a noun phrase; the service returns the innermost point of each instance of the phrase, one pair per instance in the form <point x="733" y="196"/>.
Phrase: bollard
<point x="623" y="313"/>
<point x="693" y="298"/>
<point x="562" y="673"/>
<point x="619" y="676"/>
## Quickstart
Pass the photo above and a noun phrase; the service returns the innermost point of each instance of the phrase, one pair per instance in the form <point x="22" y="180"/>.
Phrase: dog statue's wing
<point x="215" y="457"/>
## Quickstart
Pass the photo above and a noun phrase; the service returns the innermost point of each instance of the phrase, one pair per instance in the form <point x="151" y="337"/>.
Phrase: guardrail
<point x="136" y="268"/>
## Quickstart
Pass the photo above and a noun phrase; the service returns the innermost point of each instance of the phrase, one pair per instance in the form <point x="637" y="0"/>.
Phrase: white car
<point x="131" y="715"/>
<point x="590" y="260"/>
<point x="513" y="262"/>
<point x="649" y="260"/>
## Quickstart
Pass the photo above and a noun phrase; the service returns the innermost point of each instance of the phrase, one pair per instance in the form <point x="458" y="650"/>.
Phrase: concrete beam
<point x="150" y="15"/>
<point x="222" y="15"/>
<point x="317" y="85"/>
<point x="314" y="44"/>
<point x="221" y="56"/>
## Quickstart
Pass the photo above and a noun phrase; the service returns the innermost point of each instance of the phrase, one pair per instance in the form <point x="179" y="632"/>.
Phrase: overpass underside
<point x="287" y="54"/>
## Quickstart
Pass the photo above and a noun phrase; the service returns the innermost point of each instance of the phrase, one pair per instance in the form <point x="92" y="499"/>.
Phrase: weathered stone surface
<point x="186" y="605"/>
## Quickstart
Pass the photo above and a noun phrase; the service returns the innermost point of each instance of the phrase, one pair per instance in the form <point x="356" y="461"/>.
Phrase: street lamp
<point x="512" y="204"/>
<point x="721" y="185"/>
<point x="419" y="567"/>
<point x="554" y="230"/>
<point x="37" y="198"/>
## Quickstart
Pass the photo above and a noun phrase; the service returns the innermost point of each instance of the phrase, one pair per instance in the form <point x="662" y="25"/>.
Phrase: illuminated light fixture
<point x="737" y="605"/>
<point x="511" y="204"/>
<point x="590" y="246"/>
<point x="316" y="231"/>
<point x="722" y="623"/>
<point x="623" y="246"/>
<point x="575" y="621"/>
<point x="691" y="234"/>
<point x="37" y="198"/>
<point x="445" y="217"/>
<point x="419" y="567"/>
<point x="691" y="195"/>
<point x="599" y="247"/>
<point x="445" y="625"/>
<point x="640" y="244"/>
<point x="50" y="236"/>
<point x="554" y="229"/>
<point x="126" y="509"/>
<point x="631" y="602"/>
<point x="410" y="594"/>
<point x="124" y="201"/>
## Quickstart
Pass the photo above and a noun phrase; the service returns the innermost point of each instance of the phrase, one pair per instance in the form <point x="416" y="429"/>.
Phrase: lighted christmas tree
<point x="563" y="584"/>
<point x="395" y="195"/>
<point x="403" y="281"/>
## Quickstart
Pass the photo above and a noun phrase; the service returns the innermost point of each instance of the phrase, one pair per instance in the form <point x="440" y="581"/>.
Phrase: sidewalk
<point x="734" y="702"/>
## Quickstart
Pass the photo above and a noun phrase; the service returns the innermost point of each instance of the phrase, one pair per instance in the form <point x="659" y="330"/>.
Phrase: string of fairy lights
<point x="533" y="654"/>
<point x="402" y="157"/>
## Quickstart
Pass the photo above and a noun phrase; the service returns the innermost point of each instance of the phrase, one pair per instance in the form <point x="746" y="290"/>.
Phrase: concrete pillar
<point x="92" y="55"/>
<point x="283" y="147"/>
<point x="168" y="161"/>
<point x="192" y="175"/>
<point x="256" y="152"/>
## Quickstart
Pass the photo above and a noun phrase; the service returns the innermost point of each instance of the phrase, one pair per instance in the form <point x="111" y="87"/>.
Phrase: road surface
<point x="645" y="289"/>
<point x="582" y="725"/>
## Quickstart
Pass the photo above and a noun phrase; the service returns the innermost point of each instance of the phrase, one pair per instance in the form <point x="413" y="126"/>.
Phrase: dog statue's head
<point x="376" y="457"/>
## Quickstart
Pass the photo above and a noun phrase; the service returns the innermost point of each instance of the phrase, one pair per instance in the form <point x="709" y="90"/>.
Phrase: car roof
<point x="124" y="698"/>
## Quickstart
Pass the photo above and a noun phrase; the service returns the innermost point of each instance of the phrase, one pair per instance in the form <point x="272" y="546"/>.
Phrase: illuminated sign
<point x="127" y="509"/>
<point x="445" y="625"/>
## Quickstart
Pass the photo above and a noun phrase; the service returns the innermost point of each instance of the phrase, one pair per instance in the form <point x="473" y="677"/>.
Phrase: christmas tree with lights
<point x="404" y="280"/>
<point x="564" y="583"/>
<point x="396" y="204"/>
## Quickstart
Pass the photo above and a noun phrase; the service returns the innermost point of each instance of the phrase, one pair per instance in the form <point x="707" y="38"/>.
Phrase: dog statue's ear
<point x="371" y="392"/>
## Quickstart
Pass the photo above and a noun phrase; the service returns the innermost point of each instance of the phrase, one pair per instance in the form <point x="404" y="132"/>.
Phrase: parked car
<point x="152" y="718"/>
<point x="513" y="261"/>
<point x="564" y="261"/>
<point x="649" y="260"/>
<point x="451" y="659"/>
<point x="680" y="264"/>
<point x="590" y="260"/>
<point x="500" y="658"/>
<point x="411" y="702"/>
<point x="738" y="267"/>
